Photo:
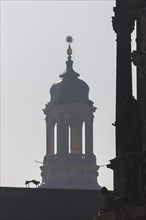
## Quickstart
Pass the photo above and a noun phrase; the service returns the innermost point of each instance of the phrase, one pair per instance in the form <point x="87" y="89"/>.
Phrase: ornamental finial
<point x="69" y="39"/>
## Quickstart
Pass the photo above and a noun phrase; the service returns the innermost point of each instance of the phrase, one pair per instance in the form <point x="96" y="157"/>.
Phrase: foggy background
<point x="33" y="54"/>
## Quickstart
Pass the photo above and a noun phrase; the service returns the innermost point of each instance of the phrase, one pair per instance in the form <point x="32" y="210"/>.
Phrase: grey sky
<point x="33" y="54"/>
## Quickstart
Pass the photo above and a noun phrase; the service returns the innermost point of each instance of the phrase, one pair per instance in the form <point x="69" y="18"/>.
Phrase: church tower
<point x="69" y="162"/>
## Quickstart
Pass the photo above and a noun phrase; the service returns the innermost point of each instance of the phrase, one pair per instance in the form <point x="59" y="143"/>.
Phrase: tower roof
<point x="70" y="88"/>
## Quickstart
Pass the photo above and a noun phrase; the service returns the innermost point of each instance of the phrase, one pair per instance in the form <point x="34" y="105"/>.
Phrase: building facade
<point x="129" y="165"/>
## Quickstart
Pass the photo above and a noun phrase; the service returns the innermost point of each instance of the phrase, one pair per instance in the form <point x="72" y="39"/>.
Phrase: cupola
<point x="70" y="88"/>
<point x="69" y="161"/>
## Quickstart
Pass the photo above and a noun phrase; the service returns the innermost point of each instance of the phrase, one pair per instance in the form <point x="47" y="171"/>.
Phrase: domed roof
<point x="70" y="88"/>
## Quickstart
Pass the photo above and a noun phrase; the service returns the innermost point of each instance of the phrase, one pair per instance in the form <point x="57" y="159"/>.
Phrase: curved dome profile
<point x="69" y="162"/>
<point x="70" y="88"/>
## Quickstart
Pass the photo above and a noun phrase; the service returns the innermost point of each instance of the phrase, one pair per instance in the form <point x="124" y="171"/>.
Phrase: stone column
<point x="50" y="137"/>
<point x="76" y="135"/>
<point x="123" y="26"/>
<point x="89" y="135"/>
<point x="62" y="135"/>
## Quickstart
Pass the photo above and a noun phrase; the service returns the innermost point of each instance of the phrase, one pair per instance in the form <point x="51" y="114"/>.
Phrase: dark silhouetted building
<point x="48" y="204"/>
<point x="129" y="198"/>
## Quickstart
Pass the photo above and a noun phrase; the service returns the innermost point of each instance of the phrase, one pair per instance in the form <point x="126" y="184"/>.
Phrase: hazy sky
<point x="33" y="54"/>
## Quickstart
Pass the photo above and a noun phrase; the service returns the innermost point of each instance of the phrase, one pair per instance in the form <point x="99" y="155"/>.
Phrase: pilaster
<point x="89" y="135"/>
<point x="123" y="25"/>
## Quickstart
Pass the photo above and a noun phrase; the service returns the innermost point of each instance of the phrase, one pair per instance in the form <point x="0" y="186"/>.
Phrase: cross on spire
<point x="69" y="39"/>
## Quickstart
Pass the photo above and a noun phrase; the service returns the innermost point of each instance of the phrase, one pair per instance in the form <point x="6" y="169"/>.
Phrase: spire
<point x="69" y="39"/>
<point x="69" y="69"/>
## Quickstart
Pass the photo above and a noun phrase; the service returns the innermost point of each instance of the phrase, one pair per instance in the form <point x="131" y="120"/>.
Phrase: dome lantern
<point x="69" y="161"/>
<point x="70" y="88"/>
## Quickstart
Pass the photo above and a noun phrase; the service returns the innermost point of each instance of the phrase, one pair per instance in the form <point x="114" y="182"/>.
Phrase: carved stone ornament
<point x="123" y="24"/>
<point x="139" y="59"/>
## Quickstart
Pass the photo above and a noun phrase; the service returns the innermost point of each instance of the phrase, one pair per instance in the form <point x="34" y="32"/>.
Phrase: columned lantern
<point x="69" y="161"/>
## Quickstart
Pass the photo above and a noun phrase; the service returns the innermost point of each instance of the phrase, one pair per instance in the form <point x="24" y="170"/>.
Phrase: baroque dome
<point x="70" y="88"/>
